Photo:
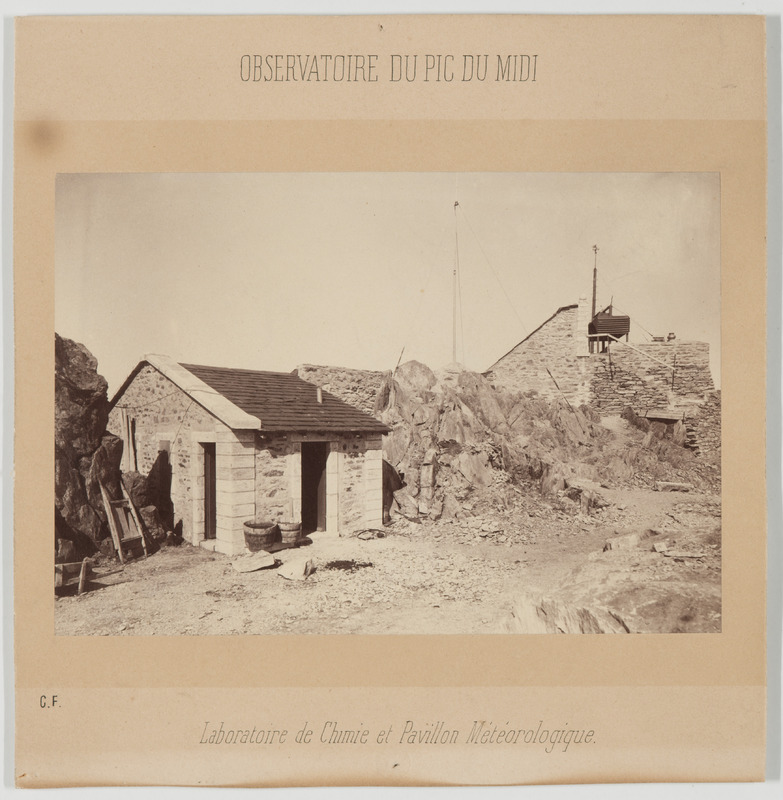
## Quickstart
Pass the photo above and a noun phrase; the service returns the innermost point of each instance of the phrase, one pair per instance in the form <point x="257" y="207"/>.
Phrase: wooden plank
<point x="136" y="519"/>
<point x="112" y="526"/>
<point x="121" y="515"/>
<point x="83" y="575"/>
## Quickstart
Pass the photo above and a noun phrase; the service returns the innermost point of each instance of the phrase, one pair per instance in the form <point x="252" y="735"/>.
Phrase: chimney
<point x="319" y="396"/>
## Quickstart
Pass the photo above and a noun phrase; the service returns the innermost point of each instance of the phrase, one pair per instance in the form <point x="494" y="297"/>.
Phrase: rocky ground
<point x="517" y="514"/>
<point x="533" y="567"/>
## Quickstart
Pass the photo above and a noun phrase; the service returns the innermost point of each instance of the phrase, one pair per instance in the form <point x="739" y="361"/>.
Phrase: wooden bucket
<point x="260" y="535"/>
<point x="291" y="532"/>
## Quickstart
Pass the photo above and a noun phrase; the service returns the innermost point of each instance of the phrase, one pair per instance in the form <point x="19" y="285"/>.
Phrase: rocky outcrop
<point x="84" y="454"/>
<point x="453" y="433"/>
<point x="643" y="582"/>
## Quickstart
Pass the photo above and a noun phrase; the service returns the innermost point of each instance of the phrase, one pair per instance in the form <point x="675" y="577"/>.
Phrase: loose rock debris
<point x="256" y="561"/>
<point x="297" y="570"/>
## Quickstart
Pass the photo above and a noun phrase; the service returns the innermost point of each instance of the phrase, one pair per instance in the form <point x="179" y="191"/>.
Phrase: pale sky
<point x="269" y="271"/>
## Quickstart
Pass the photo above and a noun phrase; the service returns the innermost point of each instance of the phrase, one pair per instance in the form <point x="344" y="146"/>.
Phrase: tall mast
<point x="454" y="289"/>
<point x="595" y="275"/>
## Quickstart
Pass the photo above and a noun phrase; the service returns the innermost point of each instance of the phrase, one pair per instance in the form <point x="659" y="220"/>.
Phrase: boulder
<point x="84" y="455"/>
<point x="104" y="468"/>
<point x="413" y="375"/>
<point x="81" y="406"/>
<point x="553" y="479"/>
<point x="397" y="444"/>
<point x="82" y="523"/>
<point x="475" y="468"/>
<point x="66" y="552"/>
<point x="547" y="615"/>
<point x="297" y="569"/>
<point x="152" y="522"/>
<point x="253" y="562"/>
<point x="635" y="590"/>
<point x="136" y="485"/>
<point x="408" y="505"/>
<point x="452" y="510"/>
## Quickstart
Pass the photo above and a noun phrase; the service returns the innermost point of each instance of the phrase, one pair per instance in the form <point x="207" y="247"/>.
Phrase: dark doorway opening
<point x="314" y="455"/>
<point x="210" y="490"/>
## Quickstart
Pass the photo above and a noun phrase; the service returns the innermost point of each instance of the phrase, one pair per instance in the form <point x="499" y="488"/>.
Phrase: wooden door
<point x="210" y="490"/>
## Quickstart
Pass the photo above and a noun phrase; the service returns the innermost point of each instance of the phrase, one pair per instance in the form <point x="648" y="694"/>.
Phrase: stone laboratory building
<point x="244" y="444"/>
<point x="590" y="361"/>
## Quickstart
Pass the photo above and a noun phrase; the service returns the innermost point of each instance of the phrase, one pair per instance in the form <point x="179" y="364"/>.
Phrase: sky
<point x="272" y="270"/>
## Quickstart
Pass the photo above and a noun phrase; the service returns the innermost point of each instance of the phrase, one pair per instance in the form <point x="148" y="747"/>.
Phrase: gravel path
<point x="419" y="578"/>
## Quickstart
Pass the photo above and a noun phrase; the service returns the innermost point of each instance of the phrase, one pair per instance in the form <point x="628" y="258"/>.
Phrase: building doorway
<point x="314" y="455"/>
<point x="210" y="490"/>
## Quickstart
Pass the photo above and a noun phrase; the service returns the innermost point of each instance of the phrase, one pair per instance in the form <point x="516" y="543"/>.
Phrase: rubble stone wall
<point x="652" y="375"/>
<point x="349" y="485"/>
<point x="277" y="470"/>
<point x="648" y="374"/>
<point x="705" y="421"/>
<point x="352" y="461"/>
<point x="160" y="413"/>
<point x="553" y="346"/>
<point x="614" y="386"/>
<point x="358" y="387"/>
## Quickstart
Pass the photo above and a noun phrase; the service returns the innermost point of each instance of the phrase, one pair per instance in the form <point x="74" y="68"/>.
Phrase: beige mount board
<point x="314" y="99"/>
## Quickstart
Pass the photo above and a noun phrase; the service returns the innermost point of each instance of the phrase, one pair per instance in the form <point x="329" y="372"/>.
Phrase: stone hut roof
<point x="258" y="400"/>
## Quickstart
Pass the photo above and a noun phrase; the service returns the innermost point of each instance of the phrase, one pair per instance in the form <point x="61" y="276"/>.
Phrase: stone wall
<point x="705" y="422"/>
<point x="236" y="497"/>
<point x="357" y="387"/>
<point x="553" y="346"/>
<point x="353" y="490"/>
<point x="258" y="476"/>
<point x="276" y="471"/>
<point x="614" y="386"/>
<point x="644" y="375"/>
<point x="163" y="417"/>
<point x="373" y="482"/>
<point x="160" y="412"/>
<point x="650" y="375"/>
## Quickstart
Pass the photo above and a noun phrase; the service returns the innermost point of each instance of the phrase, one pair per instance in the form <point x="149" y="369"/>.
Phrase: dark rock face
<point x="81" y="405"/>
<point x="84" y="454"/>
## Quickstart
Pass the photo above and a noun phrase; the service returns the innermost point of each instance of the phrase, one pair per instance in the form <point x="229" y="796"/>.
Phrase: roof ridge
<point x="213" y="401"/>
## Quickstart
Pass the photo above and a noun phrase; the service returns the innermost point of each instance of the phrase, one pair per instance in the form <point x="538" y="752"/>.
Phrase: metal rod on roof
<point x="454" y="277"/>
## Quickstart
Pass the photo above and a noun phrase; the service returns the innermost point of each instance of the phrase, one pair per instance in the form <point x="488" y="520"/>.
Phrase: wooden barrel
<point x="291" y="532"/>
<point x="260" y="535"/>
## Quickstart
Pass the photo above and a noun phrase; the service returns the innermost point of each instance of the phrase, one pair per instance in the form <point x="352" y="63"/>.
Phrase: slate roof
<point x="284" y="402"/>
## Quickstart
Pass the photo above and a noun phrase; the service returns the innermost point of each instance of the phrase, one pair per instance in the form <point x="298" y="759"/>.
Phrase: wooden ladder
<point x="124" y="523"/>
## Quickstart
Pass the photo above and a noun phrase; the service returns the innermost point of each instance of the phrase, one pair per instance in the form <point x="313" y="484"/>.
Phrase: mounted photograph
<point x="387" y="403"/>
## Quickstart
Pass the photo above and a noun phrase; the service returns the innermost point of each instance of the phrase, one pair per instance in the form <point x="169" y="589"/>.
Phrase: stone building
<point x="245" y="444"/>
<point x="555" y="361"/>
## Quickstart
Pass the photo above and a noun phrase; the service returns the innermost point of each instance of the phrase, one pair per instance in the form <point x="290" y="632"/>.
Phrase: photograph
<point x="396" y="358"/>
<point x="387" y="403"/>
